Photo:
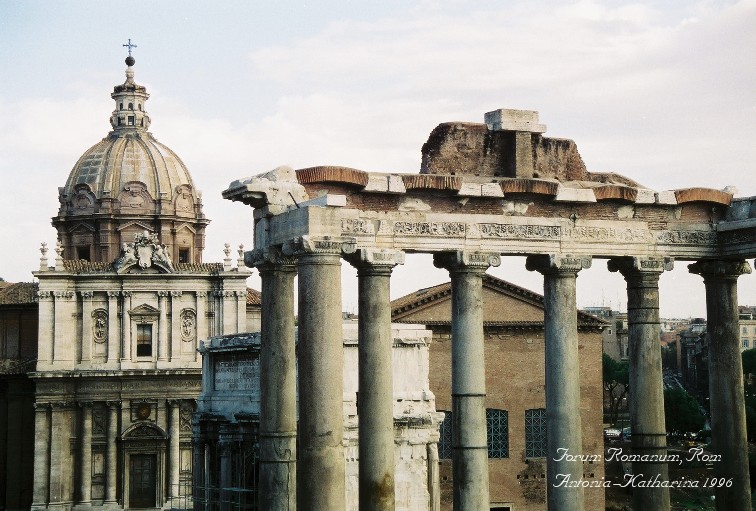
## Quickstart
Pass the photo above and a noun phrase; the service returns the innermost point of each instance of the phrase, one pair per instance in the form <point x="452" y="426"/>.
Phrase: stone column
<point x="111" y="458"/>
<point x="469" y="438"/>
<point x="163" y="326"/>
<point x="113" y="333"/>
<point x="278" y="383"/>
<point x="563" y="423"/>
<point x="41" y="454"/>
<point x="85" y="454"/>
<point x="375" y="412"/>
<point x="321" y="470"/>
<point x="727" y="402"/>
<point x="649" y="433"/>
<point x="174" y="450"/>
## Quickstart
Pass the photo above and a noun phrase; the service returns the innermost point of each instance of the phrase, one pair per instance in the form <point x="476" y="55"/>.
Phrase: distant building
<point x="614" y="336"/>
<point x="747" y="323"/>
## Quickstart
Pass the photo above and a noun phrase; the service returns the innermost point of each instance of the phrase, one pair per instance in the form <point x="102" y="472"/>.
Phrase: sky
<point x="660" y="91"/>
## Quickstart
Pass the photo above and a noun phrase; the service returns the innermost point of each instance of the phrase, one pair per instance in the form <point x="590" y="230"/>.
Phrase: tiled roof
<point x="254" y="297"/>
<point x="405" y="304"/>
<point x="21" y="292"/>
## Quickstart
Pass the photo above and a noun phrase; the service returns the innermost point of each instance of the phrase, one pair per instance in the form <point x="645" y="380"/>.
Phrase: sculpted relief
<point x="143" y="253"/>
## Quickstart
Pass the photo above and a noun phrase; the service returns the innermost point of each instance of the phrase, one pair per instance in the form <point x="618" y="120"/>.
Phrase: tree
<point x="616" y="377"/>
<point x="681" y="412"/>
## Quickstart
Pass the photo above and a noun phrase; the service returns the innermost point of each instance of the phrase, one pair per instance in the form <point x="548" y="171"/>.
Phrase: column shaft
<point x="646" y="383"/>
<point x="469" y="438"/>
<point x="85" y="450"/>
<point x="110" y="454"/>
<point x="320" y="484"/>
<point x="469" y="442"/>
<point x="41" y="454"/>
<point x="375" y="411"/>
<point x="726" y="394"/>
<point x="278" y="382"/>
<point x="563" y="421"/>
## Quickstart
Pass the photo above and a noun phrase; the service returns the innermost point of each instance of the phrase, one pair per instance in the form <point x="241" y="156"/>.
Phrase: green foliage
<point x="616" y="378"/>
<point x="681" y="412"/>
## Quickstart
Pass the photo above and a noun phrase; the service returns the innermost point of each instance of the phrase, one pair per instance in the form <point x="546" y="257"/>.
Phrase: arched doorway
<point x="144" y="447"/>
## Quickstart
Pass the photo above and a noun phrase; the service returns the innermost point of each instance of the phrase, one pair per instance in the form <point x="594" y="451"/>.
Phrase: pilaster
<point x="111" y="460"/>
<point x="41" y="455"/>
<point x="163" y="326"/>
<point x="85" y="454"/>
<point x="114" y="333"/>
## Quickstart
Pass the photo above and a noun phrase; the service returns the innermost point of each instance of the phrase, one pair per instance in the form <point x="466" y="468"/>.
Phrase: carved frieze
<point x="357" y="226"/>
<point x="513" y="231"/>
<point x="99" y="421"/>
<point x="445" y="229"/>
<point x="320" y="245"/>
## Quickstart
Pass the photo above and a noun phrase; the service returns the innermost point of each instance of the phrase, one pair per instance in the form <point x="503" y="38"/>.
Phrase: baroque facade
<point x="121" y="313"/>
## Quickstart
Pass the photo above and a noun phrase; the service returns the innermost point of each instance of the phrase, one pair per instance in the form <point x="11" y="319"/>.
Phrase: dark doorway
<point x="142" y="470"/>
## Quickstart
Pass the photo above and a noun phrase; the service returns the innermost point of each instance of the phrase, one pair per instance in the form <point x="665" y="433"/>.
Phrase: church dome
<point x="126" y="184"/>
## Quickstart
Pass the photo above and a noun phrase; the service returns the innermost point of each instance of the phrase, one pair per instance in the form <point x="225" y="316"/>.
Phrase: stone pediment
<point x="144" y="255"/>
<point x="144" y="431"/>
<point x="144" y="310"/>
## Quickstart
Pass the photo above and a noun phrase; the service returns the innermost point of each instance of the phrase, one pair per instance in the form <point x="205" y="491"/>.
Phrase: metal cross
<point x="129" y="45"/>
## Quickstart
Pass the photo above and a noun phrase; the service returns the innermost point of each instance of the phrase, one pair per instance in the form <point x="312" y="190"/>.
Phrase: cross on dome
<point x="129" y="45"/>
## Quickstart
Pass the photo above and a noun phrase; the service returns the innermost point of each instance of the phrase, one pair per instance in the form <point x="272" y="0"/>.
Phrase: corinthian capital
<point x="633" y="265"/>
<point x="375" y="258"/>
<point x="554" y="264"/>
<point x="720" y="269"/>
<point x="466" y="260"/>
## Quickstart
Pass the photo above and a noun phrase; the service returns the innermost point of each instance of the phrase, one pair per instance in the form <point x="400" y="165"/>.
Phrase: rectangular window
<point x="535" y="433"/>
<point x="745" y="343"/>
<point x="445" y="441"/>
<point x="82" y="253"/>
<point x="497" y="428"/>
<point x="183" y="255"/>
<point x="144" y="340"/>
<point x="131" y="120"/>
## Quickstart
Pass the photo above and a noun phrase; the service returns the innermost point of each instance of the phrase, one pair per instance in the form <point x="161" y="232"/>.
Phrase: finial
<point x="43" y="264"/>
<point x="227" y="259"/>
<point x="240" y="260"/>
<point x="130" y="60"/>
<point x="59" y="256"/>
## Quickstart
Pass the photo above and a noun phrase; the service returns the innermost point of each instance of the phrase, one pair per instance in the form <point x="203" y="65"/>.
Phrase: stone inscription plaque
<point x="236" y="372"/>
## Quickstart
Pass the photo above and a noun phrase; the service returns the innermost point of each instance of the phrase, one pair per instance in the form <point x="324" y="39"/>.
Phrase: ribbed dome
<point x="109" y="166"/>
<point x="126" y="184"/>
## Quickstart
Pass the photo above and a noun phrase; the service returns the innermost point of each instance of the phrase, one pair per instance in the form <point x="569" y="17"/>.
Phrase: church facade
<point x="121" y="314"/>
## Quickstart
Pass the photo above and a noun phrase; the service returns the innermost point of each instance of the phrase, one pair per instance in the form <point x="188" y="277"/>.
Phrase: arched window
<point x="139" y="106"/>
<point x="131" y="106"/>
<point x="120" y="106"/>
<point x="497" y="428"/>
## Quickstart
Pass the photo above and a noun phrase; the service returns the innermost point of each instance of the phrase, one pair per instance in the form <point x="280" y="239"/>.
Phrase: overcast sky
<point x="661" y="91"/>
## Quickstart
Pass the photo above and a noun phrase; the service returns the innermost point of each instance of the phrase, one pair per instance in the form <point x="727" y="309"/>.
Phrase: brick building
<point x="515" y="389"/>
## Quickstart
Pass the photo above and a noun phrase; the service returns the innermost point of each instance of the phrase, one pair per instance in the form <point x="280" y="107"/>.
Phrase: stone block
<point x="514" y="120"/>
<point x="575" y="195"/>
<point x="667" y="197"/>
